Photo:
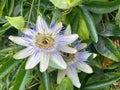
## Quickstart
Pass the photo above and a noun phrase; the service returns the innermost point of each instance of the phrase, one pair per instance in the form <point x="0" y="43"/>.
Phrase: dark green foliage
<point x="97" y="22"/>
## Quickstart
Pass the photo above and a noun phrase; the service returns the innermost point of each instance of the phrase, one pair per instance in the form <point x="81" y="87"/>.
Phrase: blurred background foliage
<point x="97" y="22"/>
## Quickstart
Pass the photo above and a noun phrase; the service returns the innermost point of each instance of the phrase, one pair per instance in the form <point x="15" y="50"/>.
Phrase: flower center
<point x="44" y="41"/>
<point x="68" y="57"/>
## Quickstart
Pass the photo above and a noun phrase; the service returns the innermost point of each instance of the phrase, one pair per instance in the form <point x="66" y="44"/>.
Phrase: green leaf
<point x="7" y="67"/>
<point x="2" y="5"/>
<point x="100" y="84"/>
<point x="97" y="18"/>
<point x="73" y="3"/>
<point x="41" y="87"/>
<point x="109" y="29"/>
<point x="101" y="7"/>
<point x="11" y="7"/>
<point x="6" y="50"/>
<point x="17" y="22"/>
<point x="60" y="4"/>
<point x="82" y="29"/>
<point x="113" y="65"/>
<point x="4" y="27"/>
<point x="65" y="4"/>
<point x="45" y="82"/>
<point x="117" y="17"/>
<point x="22" y="78"/>
<point x="73" y="21"/>
<point x="56" y="14"/>
<point x="2" y="20"/>
<point x="66" y="84"/>
<point x="106" y="48"/>
<point x="90" y="24"/>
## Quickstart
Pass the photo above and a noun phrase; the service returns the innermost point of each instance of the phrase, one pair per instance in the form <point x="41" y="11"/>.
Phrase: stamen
<point x="68" y="57"/>
<point x="44" y="41"/>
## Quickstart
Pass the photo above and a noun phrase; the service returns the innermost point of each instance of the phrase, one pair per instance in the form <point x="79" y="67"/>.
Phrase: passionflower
<point x="75" y="62"/>
<point x="43" y="44"/>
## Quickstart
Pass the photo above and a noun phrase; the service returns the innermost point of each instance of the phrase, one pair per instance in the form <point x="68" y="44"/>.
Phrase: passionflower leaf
<point x="66" y="84"/>
<point x="102" y="7"/>
<point x="103" y="83"/>
<point x="65" y="4"/>
<point x="17" y="22"/>
<point x="90" y="23"/>
<point x="106" y="48"/>
<point x="23" y="78"/>
<point x="82" y="29"/>
<point x="2" y="5"/>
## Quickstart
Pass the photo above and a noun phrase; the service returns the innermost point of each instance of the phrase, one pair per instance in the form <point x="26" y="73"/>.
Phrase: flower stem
<point x="30" y="12"/>
<point x="21" y="10"/>
<point x="38" y="9"/>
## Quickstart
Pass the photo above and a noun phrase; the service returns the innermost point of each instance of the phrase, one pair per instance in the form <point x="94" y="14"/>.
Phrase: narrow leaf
<point x="21" y="78"/>
<point x="106" y="48"/>
<point x="101" y="7"/>
<point x="46" y="82"/>
<point x="109" y="29"/>
<point x="89" y="22"/>
<point x="99" y="84"/>
<point x="11" y="7"/>
<point x="2" y="5"/>
<point x="6" y="50"/>
<point x="73" y="21"/>
<point x="4" y="28"/>
<point x="7" y="67"/>
<point x="82" y="29"/>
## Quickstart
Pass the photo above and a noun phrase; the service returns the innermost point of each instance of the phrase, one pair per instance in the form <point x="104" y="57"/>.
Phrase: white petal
<point x="24" y="53"/>
<point x="57" y="58"/>
<point x="72" y="74"/>
<point x="41" y="24"/>
<point x="68" y="30"/>
<point x="84" y="67"/>
<point x="84" y="55"/>
<point x="68" y="39"/>
<point x="60" y="76"/>
<point x="44" y="61"/>
<point x="33" y="61"/>
<point x="28" y="31"/>
<point x="94" y="55"/>
<point x="57" y="27"/>
<point x="68" y="49"/>
<point x="19" y="40"/>
<point x="81" y="46"/>
<point x="52" y="24"/>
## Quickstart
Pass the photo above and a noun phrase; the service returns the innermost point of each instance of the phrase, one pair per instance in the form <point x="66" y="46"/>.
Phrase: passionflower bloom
<point x="43" y="44"/>
<point x="75" y="62"/>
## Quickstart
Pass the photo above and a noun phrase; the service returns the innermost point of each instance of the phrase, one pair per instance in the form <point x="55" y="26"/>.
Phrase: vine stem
<point x="30" y="12"/>
<point x="38" y="9"/>
<point x="21" y="10"/>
